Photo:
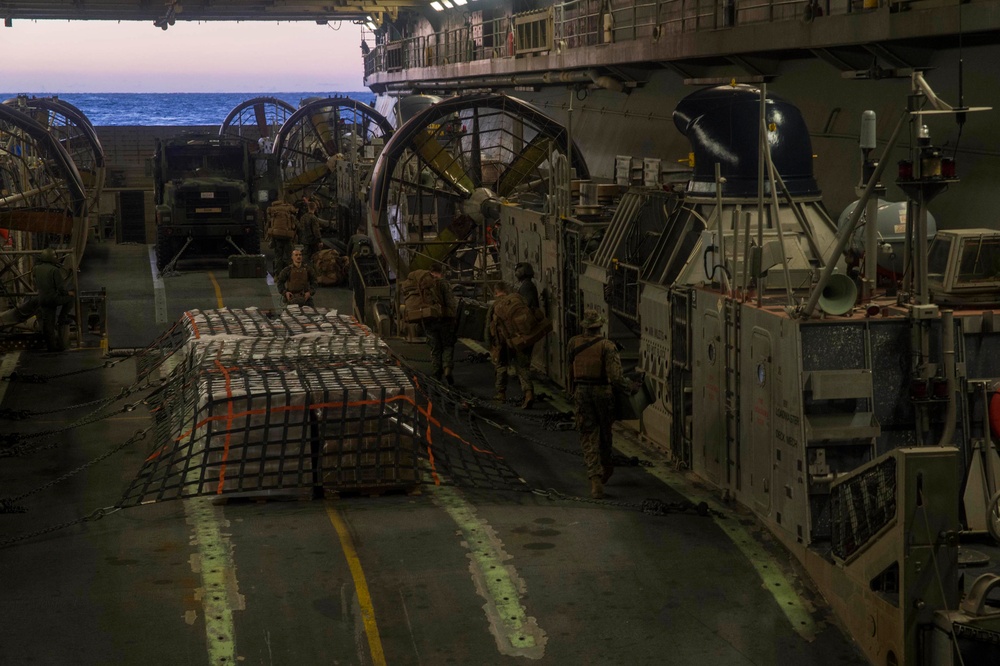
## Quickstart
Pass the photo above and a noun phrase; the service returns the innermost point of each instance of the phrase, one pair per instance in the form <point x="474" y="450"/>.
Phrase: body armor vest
<point x="298" y="280"/>
<point x="588" y="365"/>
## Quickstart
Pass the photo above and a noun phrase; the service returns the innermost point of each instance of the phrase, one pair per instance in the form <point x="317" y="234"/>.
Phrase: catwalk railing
<point x="584" y="23"/>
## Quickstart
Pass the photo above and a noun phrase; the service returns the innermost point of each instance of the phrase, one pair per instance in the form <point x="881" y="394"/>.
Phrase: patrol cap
<point x="592" y="319"/>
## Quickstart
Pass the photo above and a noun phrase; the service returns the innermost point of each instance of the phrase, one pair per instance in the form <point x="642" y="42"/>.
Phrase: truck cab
<point x="203" y="194"/>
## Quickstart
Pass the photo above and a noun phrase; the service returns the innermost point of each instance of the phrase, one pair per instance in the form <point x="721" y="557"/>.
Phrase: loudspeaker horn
<point x="838" y="295"/>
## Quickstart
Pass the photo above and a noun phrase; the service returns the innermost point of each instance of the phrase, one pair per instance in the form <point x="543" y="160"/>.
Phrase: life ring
<point x="995" y="415"/>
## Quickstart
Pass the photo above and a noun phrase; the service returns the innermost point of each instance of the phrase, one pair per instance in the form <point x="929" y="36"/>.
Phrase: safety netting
<point x="307" y="399"/>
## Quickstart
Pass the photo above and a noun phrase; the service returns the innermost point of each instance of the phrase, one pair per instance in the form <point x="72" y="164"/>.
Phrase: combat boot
<point x="529" y="399"/>
<point x="448" y="377"/>
<point x="596" y="487"/>
<point x="608" y="471"/>
<point x="500" y="396"/>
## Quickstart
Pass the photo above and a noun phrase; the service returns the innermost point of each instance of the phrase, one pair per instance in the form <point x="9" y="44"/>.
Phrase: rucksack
<point x="330" y="267"/>
<point x="421" y="297"/>
<point x="281" y="220"/>
<point x="522" y="327"/>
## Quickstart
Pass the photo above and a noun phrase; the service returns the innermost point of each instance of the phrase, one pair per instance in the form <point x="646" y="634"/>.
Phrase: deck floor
<point x="446" y="575"/>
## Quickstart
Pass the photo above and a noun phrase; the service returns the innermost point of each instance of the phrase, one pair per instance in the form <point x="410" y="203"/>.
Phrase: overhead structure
<point x="325" y="150"/>
<point x="440" y="179"/>
<point x="256" y="119"/>
<point x="165" y="14"/>
<point x="74" y="132"/>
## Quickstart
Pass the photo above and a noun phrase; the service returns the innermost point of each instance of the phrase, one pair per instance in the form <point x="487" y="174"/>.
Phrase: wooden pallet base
<point x="331" y="492"/>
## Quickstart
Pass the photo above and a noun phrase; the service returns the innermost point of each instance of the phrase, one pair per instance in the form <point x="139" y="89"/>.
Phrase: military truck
<point x="204" y="190"/>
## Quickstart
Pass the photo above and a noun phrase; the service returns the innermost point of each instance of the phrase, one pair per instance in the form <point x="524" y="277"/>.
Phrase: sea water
<point x="176" y="108"/>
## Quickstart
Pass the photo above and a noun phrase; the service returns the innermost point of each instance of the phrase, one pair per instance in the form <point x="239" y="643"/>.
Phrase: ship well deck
<point x="447" y="574"/>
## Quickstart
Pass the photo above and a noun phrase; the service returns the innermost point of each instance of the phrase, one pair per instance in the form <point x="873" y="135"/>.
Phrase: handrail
<point x="582" y="23"/>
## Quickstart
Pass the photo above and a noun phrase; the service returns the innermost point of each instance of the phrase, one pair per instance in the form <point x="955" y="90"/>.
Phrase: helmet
<point x="592" y="319"/>
<point x="523" y="271"/>
<point x="47" y="256"/>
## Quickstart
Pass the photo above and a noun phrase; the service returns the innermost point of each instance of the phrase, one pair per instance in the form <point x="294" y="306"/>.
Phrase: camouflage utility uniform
<point x="298" y="281"/>
<point x="594" y="367"/>
<point x="310" y="232"/>
<point x="54" y="300"/>
<point x="442" y="333"/>
<point x="504" y="356"/>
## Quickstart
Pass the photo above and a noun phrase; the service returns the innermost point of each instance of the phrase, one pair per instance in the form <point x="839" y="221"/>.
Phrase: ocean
<point x="175" y="108"/>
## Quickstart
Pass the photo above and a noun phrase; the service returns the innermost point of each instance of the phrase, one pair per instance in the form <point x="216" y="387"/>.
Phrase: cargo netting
<point x="308" y="400"/>
<point x="861" y="506"/>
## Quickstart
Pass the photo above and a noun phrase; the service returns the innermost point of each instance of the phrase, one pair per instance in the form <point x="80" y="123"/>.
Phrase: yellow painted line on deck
<point x="360" y="586"/>
<point x="791" y="604"/>
<point x="218" y="290"/>
<point x="516" y="633"/>
<point x="8" y="364"/>
<point x="219" y="592"/>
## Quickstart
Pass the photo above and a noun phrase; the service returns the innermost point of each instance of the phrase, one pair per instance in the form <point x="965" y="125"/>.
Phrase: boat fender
<point x="995" y="415"/>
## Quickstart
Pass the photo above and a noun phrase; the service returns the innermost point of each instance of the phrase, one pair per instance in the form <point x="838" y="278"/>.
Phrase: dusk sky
<point x="131" y="56"/>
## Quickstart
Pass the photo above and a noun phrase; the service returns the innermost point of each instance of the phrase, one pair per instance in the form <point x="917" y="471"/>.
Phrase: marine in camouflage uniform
<point x="441" y="332"/>
<point x="594" y="368"/>
<point x="54" y="300"/>
<point x="310" y="229"/>
<point x="297" y="282"/>
<point x="505" y="356"/>
<point x="522" y="358"/>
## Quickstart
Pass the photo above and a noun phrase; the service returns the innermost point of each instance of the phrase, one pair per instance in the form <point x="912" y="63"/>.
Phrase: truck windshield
<point x="204" y="161"/>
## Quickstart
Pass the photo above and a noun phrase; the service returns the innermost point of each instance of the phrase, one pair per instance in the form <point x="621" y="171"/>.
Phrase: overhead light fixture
<point x="460" y="2"/>
<point x="447" y="3"/>
<point x="370" y="23"/>
<point x="438" y="7"/>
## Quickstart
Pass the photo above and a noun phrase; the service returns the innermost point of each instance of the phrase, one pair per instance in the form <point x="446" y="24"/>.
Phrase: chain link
<point x="96" y="514"/>
<point x="124" y="393"/>
<point x="15" y="444"/>
<point x="41" y="379"/>
<point x="137" y="437"/>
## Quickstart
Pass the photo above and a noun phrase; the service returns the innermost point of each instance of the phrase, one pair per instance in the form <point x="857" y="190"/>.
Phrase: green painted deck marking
<point x="515" y="632"/>
<point x="791" y="604"/>
<point x="219" y="591"/>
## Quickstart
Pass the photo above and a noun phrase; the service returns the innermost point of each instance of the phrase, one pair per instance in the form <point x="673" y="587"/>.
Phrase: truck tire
<point x="165" y="248"/>
<point x="251" y="243"/>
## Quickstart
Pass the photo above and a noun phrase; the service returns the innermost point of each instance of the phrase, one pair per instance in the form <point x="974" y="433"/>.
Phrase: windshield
<point x="203" y="161"/>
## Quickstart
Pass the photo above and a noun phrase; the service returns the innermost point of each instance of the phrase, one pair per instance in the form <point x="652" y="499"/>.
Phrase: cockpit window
<point x="937" y="257"/>
<point x="980" y="260"/>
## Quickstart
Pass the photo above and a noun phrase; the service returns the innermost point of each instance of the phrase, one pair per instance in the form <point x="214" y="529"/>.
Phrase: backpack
<point x="281" y="220"/>
<point x="521" y="326"/>
<point x="330" y="267"/>
<point x="421" y="297"/>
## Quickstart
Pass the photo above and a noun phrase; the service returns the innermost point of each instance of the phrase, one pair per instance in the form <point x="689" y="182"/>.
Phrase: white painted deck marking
<point x="159" y="290"/>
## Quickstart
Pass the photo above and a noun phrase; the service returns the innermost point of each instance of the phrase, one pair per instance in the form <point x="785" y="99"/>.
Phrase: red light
<point x="947" y="168"/>
<point x="905" y="170"/>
